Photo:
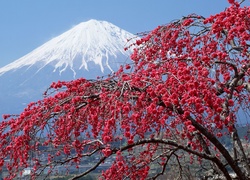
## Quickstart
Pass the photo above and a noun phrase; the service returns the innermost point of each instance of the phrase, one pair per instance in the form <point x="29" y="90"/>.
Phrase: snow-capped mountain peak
<point x="91" y="41"/>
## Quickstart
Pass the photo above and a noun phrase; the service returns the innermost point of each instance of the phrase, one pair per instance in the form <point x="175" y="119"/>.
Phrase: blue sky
<point x="27" y="24"/>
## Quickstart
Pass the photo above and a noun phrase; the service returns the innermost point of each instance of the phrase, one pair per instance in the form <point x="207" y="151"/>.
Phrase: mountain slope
<point x="90" y="49"/>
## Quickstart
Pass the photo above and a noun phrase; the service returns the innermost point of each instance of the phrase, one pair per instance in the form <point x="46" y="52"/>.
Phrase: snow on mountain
<point x="90" y="49"/>
<point x="91" y="41"/>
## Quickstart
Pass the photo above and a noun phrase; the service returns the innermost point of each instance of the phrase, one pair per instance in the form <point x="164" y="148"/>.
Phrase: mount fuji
<point x="90" y="49"/>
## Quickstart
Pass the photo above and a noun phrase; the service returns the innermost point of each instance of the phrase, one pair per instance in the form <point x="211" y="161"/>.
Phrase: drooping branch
<point x="222" y="149"/>
<point x="178" y="146"/>
<point x="164" y="142"/>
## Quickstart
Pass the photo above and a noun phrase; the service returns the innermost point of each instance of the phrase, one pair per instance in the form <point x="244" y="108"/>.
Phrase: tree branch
<point x="222" y="149"/>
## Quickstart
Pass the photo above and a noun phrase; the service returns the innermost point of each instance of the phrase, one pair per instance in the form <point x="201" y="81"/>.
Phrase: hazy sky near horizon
<point x="27" y="24"/>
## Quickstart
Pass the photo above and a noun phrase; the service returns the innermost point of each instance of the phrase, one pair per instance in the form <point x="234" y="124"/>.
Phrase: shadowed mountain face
<point x="90" y="49"/>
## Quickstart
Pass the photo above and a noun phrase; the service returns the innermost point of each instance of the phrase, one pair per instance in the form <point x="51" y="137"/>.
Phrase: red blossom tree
<point x="182" y="94"/>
